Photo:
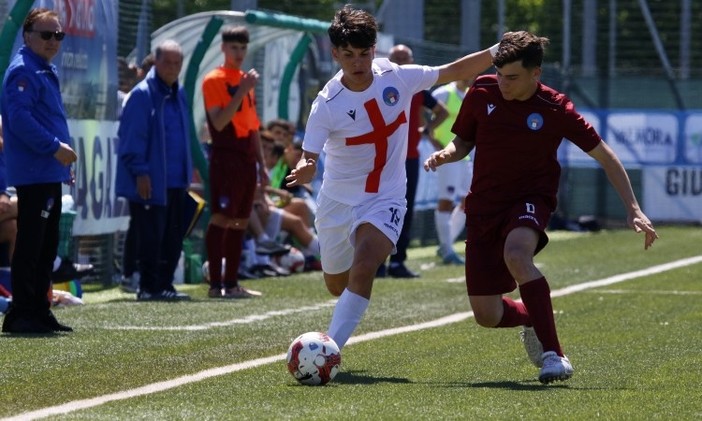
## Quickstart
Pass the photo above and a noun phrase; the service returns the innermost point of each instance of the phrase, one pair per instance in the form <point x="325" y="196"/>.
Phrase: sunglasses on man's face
<point x="46" y="35"/>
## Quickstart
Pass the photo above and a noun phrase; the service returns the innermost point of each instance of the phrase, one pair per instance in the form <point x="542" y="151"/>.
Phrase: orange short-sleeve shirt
<point x="218" y="87"/>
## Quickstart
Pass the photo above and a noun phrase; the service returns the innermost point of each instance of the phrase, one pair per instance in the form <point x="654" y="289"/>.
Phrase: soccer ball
<point x="293" y="261"/>
<point x="314" y="359"/>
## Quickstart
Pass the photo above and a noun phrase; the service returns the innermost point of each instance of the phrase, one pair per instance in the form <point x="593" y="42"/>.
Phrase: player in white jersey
<point x="360" y="121"/>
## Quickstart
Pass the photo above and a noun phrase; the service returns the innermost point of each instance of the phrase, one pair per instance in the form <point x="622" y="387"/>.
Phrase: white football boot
<point x="555" y="368"/>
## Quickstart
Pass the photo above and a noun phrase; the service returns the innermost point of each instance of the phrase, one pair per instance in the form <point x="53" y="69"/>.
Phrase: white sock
<point x="347" y="315"/>
<point x="248" y="255"/>
<point x="457" y="223"/>
<point x="442" y="220"/>
<point x="312" y="249"/>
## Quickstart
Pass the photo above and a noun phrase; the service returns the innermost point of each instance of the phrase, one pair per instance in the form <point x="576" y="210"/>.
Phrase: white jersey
<point x="364" y="134"/>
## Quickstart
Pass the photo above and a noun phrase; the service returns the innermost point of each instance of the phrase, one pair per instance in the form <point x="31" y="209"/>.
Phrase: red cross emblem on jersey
<point x="379" y="138"/>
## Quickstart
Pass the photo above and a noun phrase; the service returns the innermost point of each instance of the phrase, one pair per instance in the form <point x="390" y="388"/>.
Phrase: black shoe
<point x="50" y="321"/>
<point x="13" y="323"/>
<point x="165" y="295"/>
<point x="68" y="271"/>
<point x="401" y="271"/>
<point x="142" y="295"/>
<point x="380" y="273"/>
<point x="173" y="295"/>
<point x="271" y="248"/>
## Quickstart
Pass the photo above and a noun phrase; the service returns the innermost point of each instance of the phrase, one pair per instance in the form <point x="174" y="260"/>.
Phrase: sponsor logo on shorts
<point x="394" y="229"/>
<point x="529" y="217"/>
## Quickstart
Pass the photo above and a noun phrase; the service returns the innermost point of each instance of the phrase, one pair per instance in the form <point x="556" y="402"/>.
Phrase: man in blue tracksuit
<point x="38" y="158"/>
<point x="154" y="170"/>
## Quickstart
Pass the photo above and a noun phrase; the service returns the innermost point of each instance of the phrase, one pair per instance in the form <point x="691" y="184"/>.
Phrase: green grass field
<point x="636" y="346"/>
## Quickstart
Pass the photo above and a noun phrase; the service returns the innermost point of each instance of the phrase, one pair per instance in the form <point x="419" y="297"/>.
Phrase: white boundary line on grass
<point x="206" y="374"/>
<point x="245" y="320"/>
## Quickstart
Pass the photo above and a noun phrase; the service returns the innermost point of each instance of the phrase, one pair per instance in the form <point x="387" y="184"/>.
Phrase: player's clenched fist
<point x="249" y="79"/>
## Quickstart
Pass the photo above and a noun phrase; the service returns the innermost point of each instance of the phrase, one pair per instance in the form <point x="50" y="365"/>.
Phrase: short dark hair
<point x="35" y="15"/>
<point x="147" y="63"/>
<point x="238" y="34"/>
<point x="521" y="46"/>
<point x="282" y="123"/>
<point x="266" y="136"/>
<point x="354" y="27"/>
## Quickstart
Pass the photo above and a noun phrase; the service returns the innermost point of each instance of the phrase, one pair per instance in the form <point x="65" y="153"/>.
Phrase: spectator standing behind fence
<point x="360" y="120"/>
<point x="454" y="180"/>
<point x="38" y="157"/>
<point x="516" y="124"/>
<point x="402" y="54"/>
<point x="130" y="272"/>
<point x="236" y="162"/>
<point x="154" y="170"/>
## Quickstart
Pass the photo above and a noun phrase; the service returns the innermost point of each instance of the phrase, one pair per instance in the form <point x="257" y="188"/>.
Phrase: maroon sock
<point x="214" y="240"/>
<point x="536" y="296"/>
<point x="515" y="314"/>
<point x="233" y="242"/>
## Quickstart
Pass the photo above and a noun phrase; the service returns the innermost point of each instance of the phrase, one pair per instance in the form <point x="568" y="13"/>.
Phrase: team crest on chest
<point x="535" y="121"/>
<point x="391" y="95"/>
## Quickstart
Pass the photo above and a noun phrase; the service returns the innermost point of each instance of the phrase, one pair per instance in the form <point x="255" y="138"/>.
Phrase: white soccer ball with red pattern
<point x="314" y="359"/>
<point x="293" y="261"/>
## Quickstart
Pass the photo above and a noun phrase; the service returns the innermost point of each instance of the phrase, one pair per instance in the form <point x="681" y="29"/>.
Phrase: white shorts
<point x="454" y="180"/>
<point x="336" y="225"/>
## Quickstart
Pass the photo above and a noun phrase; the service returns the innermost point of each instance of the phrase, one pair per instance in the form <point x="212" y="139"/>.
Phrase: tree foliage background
<point x="626" y="58"/>
<point x="635" y="50"/>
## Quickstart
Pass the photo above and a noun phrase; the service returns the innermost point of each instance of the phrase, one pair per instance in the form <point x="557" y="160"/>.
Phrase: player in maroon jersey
<point x="515" y="123"/>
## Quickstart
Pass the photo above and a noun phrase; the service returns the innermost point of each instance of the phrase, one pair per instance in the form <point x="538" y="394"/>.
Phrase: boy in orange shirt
<point x="236" y="163"/>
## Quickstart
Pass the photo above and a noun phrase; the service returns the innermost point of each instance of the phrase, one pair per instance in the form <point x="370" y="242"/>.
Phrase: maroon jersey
<point x="516" y="143"/>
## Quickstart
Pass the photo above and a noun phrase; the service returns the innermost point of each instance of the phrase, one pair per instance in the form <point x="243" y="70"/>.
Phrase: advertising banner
<point x="87" y="60"/>
<point x="693" y="139"/>
<point x="673" y="193"/>
<point x="643" y="137"/>
<point x="98" y="210"/>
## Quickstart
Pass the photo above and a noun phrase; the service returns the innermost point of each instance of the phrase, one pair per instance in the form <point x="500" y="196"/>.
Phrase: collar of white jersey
<point x="378" y="67"/>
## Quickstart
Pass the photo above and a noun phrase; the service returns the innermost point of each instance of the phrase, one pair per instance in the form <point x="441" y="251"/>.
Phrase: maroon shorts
<point x="233" y="179"/>
<point x="486" y="271"/>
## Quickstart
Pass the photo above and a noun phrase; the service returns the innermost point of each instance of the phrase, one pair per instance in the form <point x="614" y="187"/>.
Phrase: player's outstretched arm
<point x="620" y="181"/>
<point x="304" y="172"/>
<point x="466" y="67"/>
